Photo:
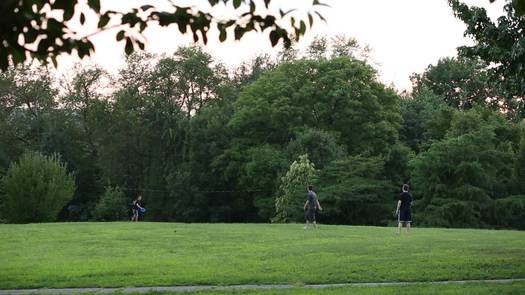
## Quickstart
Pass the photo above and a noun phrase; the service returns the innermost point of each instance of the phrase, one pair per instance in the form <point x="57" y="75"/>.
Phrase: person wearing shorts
<point x="404" y="215"/>
<point x="310" y="206"/>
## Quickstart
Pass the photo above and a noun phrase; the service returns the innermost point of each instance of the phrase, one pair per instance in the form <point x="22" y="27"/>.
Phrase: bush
<point x="510" y="212"/>
<point x="112" y="205"/>
<point x="36" y="189"/>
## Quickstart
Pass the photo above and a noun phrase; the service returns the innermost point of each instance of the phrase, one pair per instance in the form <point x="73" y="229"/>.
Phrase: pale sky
<point x="405" y="35"/>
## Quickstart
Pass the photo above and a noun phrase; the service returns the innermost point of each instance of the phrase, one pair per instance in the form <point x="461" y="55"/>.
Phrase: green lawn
<point x="145" y="254"/>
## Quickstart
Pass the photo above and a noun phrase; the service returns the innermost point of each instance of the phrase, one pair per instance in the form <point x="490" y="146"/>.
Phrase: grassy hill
<point x="144" y="254"/>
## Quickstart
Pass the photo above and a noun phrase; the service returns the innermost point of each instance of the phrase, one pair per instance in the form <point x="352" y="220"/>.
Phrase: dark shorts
<point x="310" y="215"/>
<point x="405" y="215"/>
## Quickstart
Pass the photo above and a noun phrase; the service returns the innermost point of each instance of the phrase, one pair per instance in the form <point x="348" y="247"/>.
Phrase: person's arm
<point x="305" y="204"/>
<point x="398" y="205"/>
<point x="319" y="205"/>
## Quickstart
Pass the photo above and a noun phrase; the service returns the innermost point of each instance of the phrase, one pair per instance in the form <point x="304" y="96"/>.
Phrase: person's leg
<point x="310" y="218"/>
<point x="399" y="225"/>
<point x="409" y="220"/>
<point x="307" y="218"/>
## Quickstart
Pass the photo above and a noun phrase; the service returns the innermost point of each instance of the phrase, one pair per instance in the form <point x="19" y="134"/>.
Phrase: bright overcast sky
<point x="405" y="35"/>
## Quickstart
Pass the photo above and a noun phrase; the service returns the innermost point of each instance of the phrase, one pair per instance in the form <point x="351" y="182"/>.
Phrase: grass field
<point x="146" y="254"/>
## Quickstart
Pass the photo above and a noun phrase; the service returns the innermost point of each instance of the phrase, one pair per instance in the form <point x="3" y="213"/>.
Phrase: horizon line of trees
<point x="205" y="145"/>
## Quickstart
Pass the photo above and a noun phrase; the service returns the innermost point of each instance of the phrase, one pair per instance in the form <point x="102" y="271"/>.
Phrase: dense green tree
<point x="339" y="94"/>
<point x="204" y="144"/>
<point x="519" y="165"/>
<point x="458" y="177"/>
<point x="36" y="188"/>
<point x="112" y="206"/>
<point x="509" y="212"/>
<point x="263" y="167"/>
<point x="425" y="117"/>
<point x="321" y="146"/>
<point x="500" y="46"/>
<point x="27" y="97"/>
<point x="354" y="190"/>
<point x="85" y="112"/>
<point x="461" y="82"/>
<point x="250" y="71"/>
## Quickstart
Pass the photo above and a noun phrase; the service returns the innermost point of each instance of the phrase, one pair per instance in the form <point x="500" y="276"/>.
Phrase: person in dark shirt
<point x="135" y="207"/>
<point x="311" y="205"/>
<point x="404" y="216"/>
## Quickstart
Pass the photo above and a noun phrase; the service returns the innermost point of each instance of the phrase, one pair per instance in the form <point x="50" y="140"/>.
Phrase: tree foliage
<point x="43" y="29"/>
<point x="204" y="143"/>
<point x="112" y="206"/>
<point x="36" y="188"/>
<point x="354" y="191"/>
<point x="292" y="190"/>
<point x="460" y="176"/>
<point x="461" y="82"/>
<point x="500" y="46"/>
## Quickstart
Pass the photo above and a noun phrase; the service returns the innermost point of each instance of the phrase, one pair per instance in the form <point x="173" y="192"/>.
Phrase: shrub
<point x="36" y="189"/>
<point x="112" y="205"/>
<point x="510" y="212"/>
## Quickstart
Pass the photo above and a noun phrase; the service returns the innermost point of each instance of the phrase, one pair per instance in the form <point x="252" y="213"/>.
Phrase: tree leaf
<point x="302" y="28"/>
<point x="129" y="46"/>
<point x="103" y="21"/>
<point x="95" y="5"/>
<point x="239" y="32"/>
<point x="236" y="3"/>
<point x="120" y="35"/>
<point x="222" y="35"/>
<point x="146" y="7"/>
<point x="274" y="38"/>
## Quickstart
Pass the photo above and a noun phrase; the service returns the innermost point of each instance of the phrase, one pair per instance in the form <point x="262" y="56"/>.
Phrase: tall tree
<point x="461" y="82"/>
<point x="354" y="190"/>
<point x="459" y="177"/>
<point x="500" y="47"/>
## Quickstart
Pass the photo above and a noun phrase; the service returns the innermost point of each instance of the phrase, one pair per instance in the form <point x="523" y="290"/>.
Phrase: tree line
<point x="203" y="143"/>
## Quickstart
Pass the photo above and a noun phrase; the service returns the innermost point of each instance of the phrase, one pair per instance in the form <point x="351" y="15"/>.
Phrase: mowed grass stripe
<point x="124" y="254"/>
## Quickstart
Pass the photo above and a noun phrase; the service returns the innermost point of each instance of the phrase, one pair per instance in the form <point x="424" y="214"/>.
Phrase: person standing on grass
<point x="311" y="205"/>
<point x="135" y="207"/>
<point x="404" y="216"/>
